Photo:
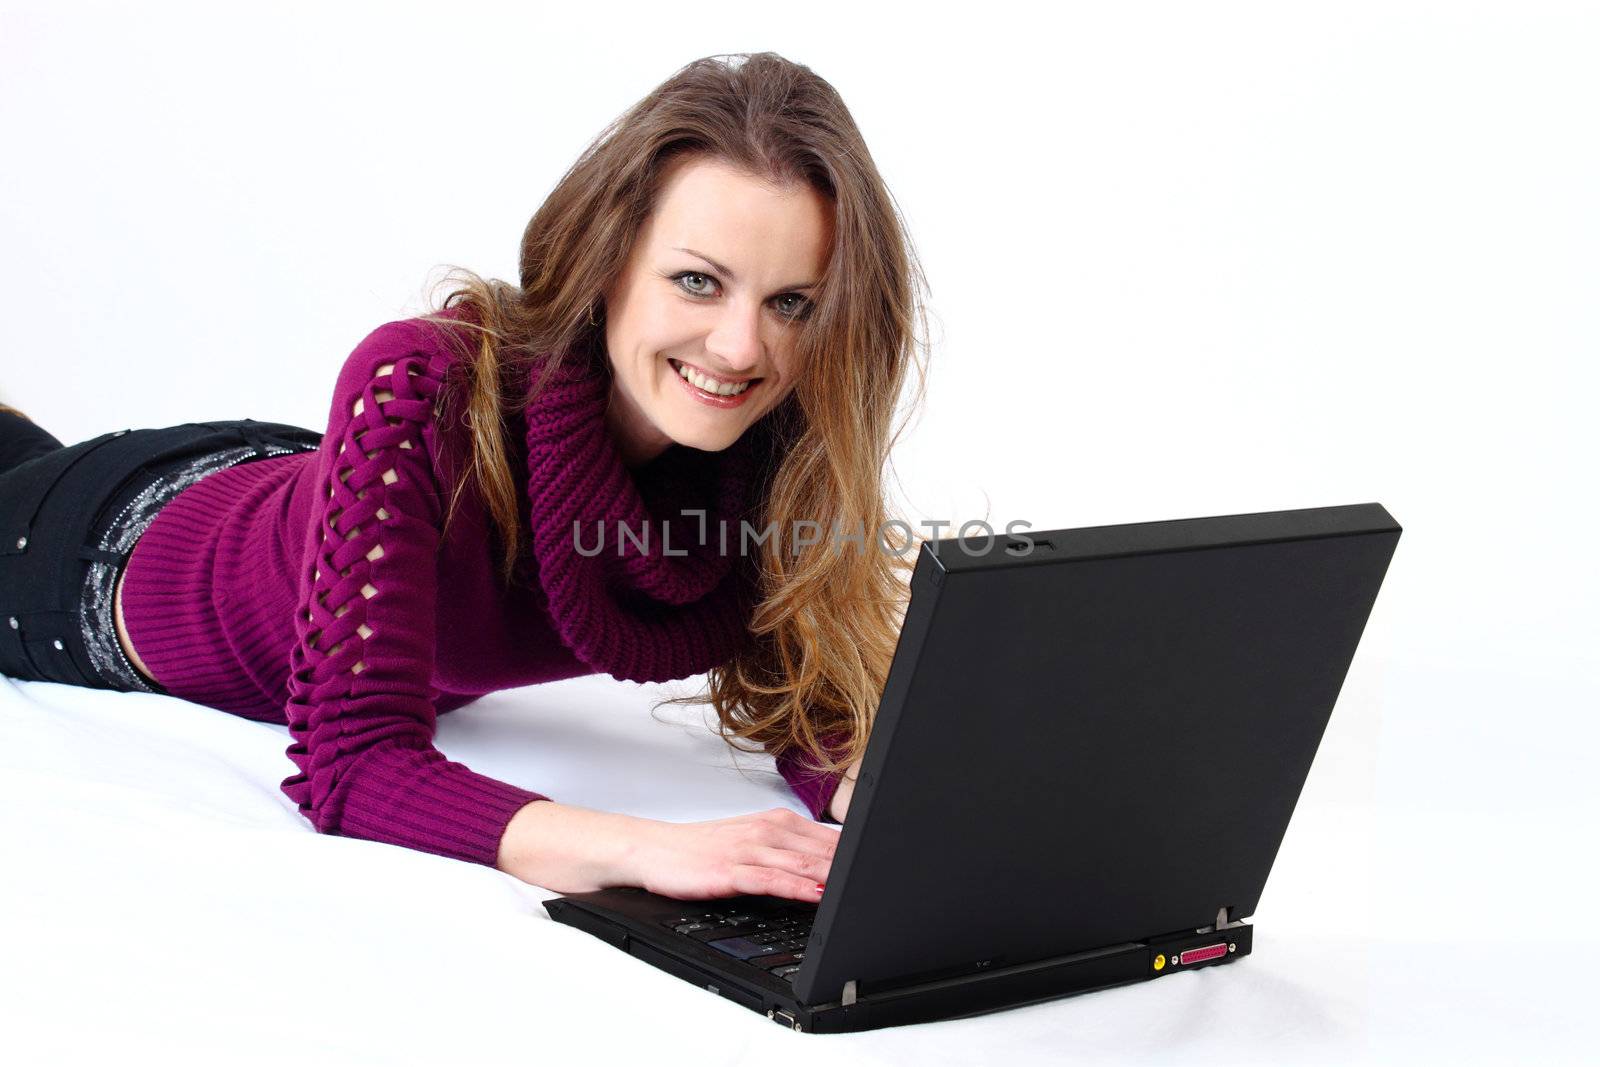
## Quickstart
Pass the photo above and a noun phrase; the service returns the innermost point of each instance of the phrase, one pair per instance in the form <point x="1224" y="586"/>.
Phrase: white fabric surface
<point x="163" y="900"/>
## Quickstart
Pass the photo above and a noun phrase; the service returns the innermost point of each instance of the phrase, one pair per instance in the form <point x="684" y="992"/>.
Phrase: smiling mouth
<point x="708" y="384"/>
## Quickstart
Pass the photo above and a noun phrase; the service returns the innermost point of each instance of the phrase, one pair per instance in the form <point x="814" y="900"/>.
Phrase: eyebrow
<point x="732" y="277"/>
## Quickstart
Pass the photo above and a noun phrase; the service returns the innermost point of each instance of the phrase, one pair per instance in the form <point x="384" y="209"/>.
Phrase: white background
<point x="1185" y="260"/>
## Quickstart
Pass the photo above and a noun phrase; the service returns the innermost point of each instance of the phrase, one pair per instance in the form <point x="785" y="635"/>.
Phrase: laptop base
<point x="896" y="1004"/>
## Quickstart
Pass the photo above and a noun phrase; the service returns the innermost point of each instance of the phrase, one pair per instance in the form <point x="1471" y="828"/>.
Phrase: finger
<point x="794" y="822"/>
<point x="800" y="863"/>
<point x="771" y="882"/>
<point x="810" y="844"/>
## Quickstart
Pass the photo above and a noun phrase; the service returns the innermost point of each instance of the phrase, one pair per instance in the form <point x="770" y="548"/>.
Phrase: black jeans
<point x="69" y="518"/>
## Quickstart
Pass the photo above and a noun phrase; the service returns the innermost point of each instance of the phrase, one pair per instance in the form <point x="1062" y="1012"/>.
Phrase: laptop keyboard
<point x="768" y="935"/>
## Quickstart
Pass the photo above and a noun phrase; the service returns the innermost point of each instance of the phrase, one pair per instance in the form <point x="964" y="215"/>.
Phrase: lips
<point x="714" y="400"/>
<point x="678" y="364"/>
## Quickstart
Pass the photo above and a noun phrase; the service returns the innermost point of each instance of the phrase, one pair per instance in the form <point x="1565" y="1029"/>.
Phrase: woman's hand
<point x="840" y="804"/>
<point x="776" y="853"/>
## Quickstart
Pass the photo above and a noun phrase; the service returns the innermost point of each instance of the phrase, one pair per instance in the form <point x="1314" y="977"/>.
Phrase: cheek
<point x="788" y="363"/>
<point x="663" y="329"/>
<point x="786" y="385"/>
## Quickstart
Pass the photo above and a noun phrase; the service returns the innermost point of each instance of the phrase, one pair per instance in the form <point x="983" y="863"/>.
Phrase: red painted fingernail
<point x="820" y="887"/>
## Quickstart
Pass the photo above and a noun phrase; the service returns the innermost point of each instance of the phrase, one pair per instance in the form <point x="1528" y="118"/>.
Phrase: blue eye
<point x="690" y="274"/>
<point x="797" y="312"/>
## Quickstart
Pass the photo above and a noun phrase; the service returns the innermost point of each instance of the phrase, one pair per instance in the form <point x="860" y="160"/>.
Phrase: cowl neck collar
<point x="666" y="601"/>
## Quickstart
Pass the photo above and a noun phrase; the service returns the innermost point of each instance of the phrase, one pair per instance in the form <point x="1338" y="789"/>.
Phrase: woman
<point x="713" y="326"/>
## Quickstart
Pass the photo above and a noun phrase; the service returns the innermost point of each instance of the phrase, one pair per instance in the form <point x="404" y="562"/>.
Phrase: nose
<point x="735" y="341"/>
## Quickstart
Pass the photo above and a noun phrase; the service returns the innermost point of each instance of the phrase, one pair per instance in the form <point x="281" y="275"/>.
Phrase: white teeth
<point x="700" y="381"/>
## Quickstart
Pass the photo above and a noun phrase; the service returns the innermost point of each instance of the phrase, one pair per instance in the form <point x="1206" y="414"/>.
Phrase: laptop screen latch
<point x="848" y="997"/>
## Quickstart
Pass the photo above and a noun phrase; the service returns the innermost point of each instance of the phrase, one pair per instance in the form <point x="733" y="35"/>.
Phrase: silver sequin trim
<point x="98" y="619"/>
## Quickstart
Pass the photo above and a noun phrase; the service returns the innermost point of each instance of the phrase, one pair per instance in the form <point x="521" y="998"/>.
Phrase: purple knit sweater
<point x="315" y="589"/>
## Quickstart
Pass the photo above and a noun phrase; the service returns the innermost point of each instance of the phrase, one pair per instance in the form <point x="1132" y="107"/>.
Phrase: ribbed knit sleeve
<point x="361" y="707"/>
<point x="814" y="790"/>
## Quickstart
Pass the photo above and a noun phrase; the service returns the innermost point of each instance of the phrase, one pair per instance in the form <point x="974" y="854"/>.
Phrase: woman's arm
<point x="840" y="804"/>
<point x="361" y="702"/>
<point x="570" y="849"/>
<point x="566" y="848"/>
<point x="818" y="791"/>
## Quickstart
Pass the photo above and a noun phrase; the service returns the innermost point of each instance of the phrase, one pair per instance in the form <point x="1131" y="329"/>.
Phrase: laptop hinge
<point x="848" y="997"/>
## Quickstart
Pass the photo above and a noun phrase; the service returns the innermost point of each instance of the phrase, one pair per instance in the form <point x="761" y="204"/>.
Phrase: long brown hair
<point x="828" y="618"/>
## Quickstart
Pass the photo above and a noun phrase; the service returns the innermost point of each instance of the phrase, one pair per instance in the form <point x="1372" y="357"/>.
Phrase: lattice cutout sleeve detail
<point x="361" y="702"/>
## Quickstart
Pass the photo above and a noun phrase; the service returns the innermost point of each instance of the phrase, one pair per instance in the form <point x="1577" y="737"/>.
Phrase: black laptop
<point x="1084" y="760"/>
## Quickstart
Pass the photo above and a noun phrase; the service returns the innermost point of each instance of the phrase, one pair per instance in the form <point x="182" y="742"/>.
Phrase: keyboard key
<point x="691" y="927"/>
<point x="788" y="973"/>
<point x="741" y="947"/>
<point x="782" y="959"/>
<point x="720" y="931"/>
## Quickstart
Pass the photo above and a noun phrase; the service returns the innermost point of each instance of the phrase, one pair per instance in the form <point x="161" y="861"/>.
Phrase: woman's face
<point x="730" y="310"/>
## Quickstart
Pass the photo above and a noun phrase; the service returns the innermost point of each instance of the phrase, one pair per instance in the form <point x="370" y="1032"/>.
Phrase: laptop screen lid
<point x="1093" y="743"/>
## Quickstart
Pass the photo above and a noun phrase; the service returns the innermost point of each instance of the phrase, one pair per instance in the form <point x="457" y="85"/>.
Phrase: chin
<point x="704" y="441"/>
